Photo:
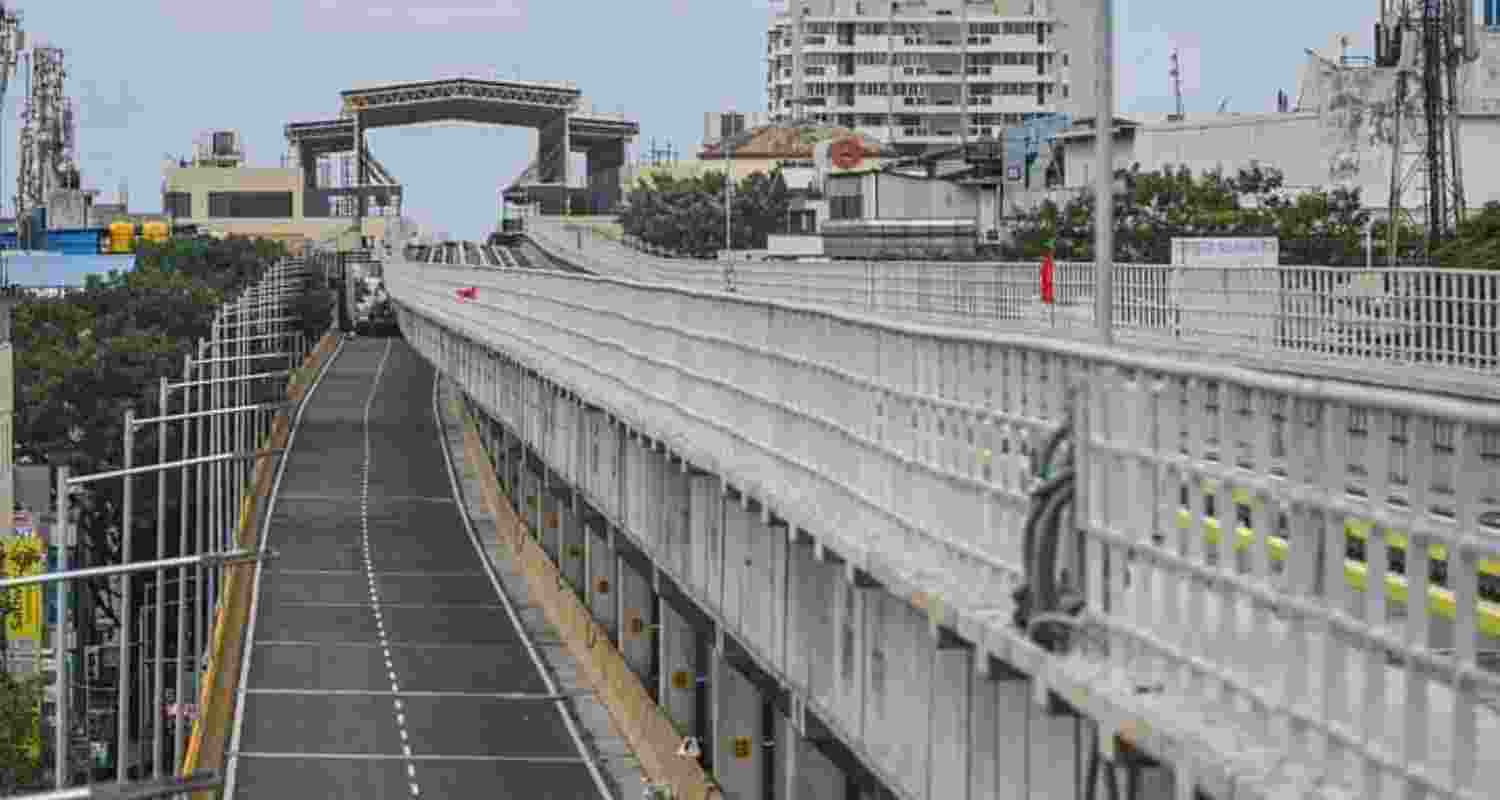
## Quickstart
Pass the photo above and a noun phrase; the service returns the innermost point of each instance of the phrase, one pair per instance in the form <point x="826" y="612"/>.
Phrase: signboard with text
<point x="1226" y="289"/>
<point x="22" y="557"/>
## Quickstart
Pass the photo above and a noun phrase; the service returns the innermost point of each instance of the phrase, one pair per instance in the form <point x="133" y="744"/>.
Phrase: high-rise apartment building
<point x="925" y="74"/>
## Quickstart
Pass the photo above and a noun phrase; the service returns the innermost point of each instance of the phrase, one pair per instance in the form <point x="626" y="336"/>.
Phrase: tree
<point x="1477" y="245"/>
<point x="1315" y="227"/>
<point x="20" y="732"/>
<point x="81" y="360"/>
<point x="686" y="215"/>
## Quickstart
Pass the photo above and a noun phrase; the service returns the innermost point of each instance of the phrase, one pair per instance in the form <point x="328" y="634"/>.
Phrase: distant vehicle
<point x="512" y="229"/>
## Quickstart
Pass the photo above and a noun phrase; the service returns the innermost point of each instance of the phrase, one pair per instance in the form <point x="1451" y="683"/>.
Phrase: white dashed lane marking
<point x="385" y="643"/>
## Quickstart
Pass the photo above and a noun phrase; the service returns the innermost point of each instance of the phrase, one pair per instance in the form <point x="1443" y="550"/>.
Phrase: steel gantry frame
<point x="224" y="424"/>
<point x="558" y="97"/>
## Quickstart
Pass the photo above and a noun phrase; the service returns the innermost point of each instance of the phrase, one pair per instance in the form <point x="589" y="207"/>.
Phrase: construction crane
<point x="1427" y="42"/>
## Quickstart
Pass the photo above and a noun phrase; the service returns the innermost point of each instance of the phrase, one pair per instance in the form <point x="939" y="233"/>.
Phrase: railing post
<point x="126" y="619"/>
<point x="60" y="637"/>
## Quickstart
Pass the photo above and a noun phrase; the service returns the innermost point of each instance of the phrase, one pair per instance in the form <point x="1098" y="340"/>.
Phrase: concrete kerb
<point x="216" y="698"/>
<point x="649" y="731"/>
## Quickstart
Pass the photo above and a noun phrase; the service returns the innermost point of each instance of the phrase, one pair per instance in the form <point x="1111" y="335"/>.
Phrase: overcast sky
<point x="148" y="76"/>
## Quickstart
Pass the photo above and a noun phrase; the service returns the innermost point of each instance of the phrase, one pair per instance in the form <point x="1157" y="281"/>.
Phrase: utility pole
<point x="1176" y="73"/>
<point x="1104" y="207"/>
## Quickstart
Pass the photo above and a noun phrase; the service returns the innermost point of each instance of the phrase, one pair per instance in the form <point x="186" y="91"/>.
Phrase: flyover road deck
<point x="384" y="661"/>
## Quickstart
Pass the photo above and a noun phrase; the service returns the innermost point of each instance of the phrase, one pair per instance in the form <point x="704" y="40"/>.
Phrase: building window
<point x="731" y="125"/>
<point x="851" y="207"/>
<point x="177" y="204"/>
<point x="252" y="205"/>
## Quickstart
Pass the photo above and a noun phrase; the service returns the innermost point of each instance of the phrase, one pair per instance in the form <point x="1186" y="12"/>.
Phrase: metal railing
<point x="1429" y="322"/>
<point x="1253" y="660"/>
<point x="223" y="424"/>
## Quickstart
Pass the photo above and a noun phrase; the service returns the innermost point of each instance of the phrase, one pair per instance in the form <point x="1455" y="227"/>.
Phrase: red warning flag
<point x="471" y="293"/>
<point x="1049" y="288"/>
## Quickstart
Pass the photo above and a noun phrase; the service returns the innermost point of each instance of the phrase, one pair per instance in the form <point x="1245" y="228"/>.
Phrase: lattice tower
<point x="44" y="135"/>
<point x="1440" y="38"/>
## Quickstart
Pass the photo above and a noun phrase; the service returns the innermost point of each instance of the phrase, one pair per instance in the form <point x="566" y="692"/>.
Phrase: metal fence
<point x="154" y="667"/>
<point x="1263" y="660"/>
<point x="1433" y="323"/>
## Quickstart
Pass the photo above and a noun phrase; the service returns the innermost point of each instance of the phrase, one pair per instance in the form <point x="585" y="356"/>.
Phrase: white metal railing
<point x="907" y="448"/>
<point x="1436" y="324"/>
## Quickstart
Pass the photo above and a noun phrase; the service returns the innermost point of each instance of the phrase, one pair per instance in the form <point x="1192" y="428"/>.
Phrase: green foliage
<point x="1314" y="227"/>
<point x="81" y="360"/>
<point x="20" y="732"/>
<point x="686" y="215"/>
<point x="1477" y="245"/>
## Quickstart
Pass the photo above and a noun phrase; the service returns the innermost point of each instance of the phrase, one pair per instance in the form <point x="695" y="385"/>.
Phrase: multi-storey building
<point x="926" y="74"/>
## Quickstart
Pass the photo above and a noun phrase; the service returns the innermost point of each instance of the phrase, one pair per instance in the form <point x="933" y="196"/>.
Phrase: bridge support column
<point x="553" y="149"/>
<point x="638" y="641"/>
<point x="677" y="690"/>
<point x="359" y="174"/>
<point x="603" y="165"/>
<point x="948" y="717"/>
<point x="605" y="585"/>
<point x="308" y="160"/>
<point x="677" y="543"/>
<point x="573" y="538"/>
<point x="705" y="524"/>
<point x="849" y="665"/>
<point x="740" y="762"/>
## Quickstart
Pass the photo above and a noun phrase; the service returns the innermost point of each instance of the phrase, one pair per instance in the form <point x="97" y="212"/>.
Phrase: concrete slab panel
<point x="541" y="780"/>
<point x="449" y="625"/>
<point x="288" y="623"/>
<point x="389" y="779"/>
<point x="339" y="587"/>
<point x="311" y="667"/>
<point x="485" y="726"/>
<point x="447" y="590"/>
<point x="384" y="779"/>
<point x="363" y="724"/>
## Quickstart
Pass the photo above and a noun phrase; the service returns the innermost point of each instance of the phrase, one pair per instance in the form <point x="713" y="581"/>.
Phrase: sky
<point x="149" y="76"/>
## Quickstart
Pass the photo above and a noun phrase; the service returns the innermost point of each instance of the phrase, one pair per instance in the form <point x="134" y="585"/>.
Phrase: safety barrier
<point x="906" y="449"/>
<point x="1434" y="324"/>
<point x="206" y="750"/>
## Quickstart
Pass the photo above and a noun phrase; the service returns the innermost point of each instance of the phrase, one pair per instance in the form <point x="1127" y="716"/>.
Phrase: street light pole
<point x="728" y="198"/>
<point x="1104" y="206"/>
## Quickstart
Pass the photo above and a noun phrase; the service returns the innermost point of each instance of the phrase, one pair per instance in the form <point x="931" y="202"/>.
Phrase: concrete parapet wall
<point x="729" y="623"/>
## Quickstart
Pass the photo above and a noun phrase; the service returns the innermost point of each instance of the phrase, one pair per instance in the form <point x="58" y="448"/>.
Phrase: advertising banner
<point x="23" y="556"/>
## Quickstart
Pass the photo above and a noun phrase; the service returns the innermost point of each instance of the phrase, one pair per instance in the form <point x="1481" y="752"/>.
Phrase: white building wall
<point x="924" y="83"/>
<point x="892" y="197"/>
<point x="1289" y="142"/>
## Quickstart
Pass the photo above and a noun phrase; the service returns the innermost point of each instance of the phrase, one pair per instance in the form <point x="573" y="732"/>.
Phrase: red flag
<point x="471" y="293"/>
<point x="1049" y="290"/>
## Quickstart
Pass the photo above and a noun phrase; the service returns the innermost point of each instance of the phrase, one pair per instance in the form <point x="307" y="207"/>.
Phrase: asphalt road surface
<point x="384" y="664"/>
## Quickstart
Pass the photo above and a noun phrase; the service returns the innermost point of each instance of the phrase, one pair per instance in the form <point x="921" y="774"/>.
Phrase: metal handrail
<point x="134" y="791"/>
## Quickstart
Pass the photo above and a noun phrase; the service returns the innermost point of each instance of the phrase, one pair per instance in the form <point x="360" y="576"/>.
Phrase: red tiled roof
<point x="788" y="142"/>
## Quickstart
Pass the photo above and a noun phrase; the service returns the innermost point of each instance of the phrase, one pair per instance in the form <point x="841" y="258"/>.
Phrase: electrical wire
<point x="1045" y="599"/>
